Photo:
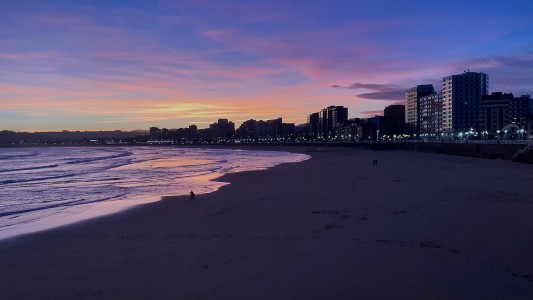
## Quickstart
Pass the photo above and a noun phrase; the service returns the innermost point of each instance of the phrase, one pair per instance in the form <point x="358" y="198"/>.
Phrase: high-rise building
<point x="312" y="125"/>
<point x="247" y="129"/>
<point x="273" y="128"/>
<point x="431" y="115"/>
<point x="155" y="134"/>
<point x="412" y="104"/>
<point x="331" y="118"/>
<point x="461" y="101"/>
<point x="192" y="132"/>
<point x="223" y="130"/>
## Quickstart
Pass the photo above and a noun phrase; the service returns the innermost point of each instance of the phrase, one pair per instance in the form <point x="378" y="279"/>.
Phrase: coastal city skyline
<point x="283" y="149"/>
<point x="463" y="109"/>
<point x="111" y="65"/>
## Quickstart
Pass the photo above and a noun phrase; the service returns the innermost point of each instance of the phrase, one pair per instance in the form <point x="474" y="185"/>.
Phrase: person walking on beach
<point x="192" y="194"/>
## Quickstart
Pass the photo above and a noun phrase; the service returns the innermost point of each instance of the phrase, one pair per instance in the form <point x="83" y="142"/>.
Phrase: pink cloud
<point x="372" y="113"/>
<point x="139" y="80"/>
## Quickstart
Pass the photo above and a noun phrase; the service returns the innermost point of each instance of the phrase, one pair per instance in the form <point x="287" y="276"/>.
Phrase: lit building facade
<point x="412" y="104"/>
<point x="330" y="120"/>
<point x="461" y="101"/>
<point x="431" y="115"/>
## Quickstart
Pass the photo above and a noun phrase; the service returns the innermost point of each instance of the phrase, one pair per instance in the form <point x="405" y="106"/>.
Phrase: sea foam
<point x="42" y="188"/>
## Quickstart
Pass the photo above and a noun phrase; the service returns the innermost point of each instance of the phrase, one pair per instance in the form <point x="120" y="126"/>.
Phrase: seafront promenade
<point x="414" y="226"/>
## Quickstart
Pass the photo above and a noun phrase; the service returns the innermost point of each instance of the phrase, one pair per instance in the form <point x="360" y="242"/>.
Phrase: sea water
<point x="41" y="188"/>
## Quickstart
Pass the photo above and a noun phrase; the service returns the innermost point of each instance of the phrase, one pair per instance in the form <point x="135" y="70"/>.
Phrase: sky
<point x="105" y="65"/>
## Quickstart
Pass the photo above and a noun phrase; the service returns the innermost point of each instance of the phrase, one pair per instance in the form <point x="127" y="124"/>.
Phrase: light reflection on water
<point x="42" y="188"/>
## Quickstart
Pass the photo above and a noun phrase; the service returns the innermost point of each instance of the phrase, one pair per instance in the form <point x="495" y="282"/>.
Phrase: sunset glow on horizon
<point x="105" y="65"/>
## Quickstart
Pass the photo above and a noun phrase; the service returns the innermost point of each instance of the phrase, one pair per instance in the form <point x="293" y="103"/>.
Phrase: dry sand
<point x="416" y="226"/>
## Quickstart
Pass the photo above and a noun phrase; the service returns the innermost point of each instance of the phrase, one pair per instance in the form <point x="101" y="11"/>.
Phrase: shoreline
<point x="334" y="226"/>
<point x="86" y="212"/>
<point x="517" y="152"/>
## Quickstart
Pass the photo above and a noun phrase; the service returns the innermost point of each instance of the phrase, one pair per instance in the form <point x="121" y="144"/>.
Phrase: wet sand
<point x="414" y="226"/>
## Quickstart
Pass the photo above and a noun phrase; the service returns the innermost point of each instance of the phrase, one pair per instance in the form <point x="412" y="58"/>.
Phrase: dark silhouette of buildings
<point x="396" y="111"/>
<point x="499" y="110"/>
<point x="221" y="131"/>
<point x="270" y="130"/>
<point x="312" y="126"/>
<point x="521" y="110"/>
<point x="333" y="121"/>
<point x="462" y="109"/>
<point x="394" y="121"/>
<point x="155" y="134"/>
<point x="328" y="123"/>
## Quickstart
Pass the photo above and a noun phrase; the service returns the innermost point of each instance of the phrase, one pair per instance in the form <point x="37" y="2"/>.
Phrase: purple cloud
<point x="369" y="86"/>
<point x="372" y="113"/>
<point x="386" y="92"/>
<point x="386" y="96"/>
<point x="506" y="73"/>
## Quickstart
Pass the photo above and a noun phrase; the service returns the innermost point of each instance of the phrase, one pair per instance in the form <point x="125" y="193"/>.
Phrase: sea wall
<point x="493" y="151"/>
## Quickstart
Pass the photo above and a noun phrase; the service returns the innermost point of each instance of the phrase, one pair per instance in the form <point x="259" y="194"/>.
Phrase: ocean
<point x="41" y="188"/>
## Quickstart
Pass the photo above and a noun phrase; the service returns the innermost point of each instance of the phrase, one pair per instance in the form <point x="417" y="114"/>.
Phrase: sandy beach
<point x="414" y="226"/>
